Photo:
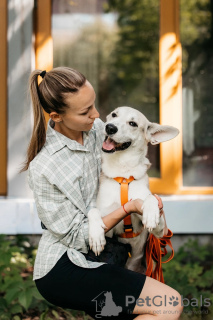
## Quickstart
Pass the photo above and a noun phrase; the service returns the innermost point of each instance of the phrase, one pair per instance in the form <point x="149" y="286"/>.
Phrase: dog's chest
<point x="109" y="199"/>
<point x="109" y="195"/>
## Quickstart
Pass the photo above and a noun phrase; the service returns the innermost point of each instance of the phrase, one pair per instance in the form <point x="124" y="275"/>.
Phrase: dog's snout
<point x="111" y="128"/>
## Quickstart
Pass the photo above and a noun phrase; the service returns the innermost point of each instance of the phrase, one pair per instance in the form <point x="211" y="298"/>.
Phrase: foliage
<point x="136" y="51"/>
<point x="19" y="297"/>
<point x="190" y="273"/>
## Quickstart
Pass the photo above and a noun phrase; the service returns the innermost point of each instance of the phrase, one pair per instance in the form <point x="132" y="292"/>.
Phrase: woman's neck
<point x="71" y="134"/>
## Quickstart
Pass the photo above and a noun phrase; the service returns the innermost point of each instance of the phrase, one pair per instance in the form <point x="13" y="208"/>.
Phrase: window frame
<point x="3" y="95"/>
<point x="43" y="43"/>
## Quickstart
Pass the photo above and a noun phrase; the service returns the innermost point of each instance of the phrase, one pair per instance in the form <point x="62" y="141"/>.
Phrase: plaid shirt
<point x="64" y="178"/>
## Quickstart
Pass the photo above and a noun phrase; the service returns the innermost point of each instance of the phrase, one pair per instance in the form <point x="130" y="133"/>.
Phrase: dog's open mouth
<point x="111" y="146"/>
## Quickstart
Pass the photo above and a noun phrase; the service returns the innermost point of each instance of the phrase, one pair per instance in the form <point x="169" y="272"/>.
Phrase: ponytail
<point x="49" y="95"/>
<point x="39" y="129"/>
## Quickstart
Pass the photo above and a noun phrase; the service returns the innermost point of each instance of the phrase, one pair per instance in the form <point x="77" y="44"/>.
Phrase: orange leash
<point x="155" y="250"/>
<point x="128" y="229"/>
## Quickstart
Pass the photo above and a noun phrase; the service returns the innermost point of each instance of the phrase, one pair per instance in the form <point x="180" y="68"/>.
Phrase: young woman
<point x="63" y="165"/>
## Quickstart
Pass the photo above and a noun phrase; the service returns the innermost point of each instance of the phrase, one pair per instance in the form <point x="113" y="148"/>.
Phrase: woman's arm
<point x="117" y="215"/>
<point x="60" y="216"/>
<point x="113" y="218"/>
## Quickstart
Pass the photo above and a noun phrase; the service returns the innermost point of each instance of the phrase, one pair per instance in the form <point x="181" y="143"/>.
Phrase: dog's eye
<point x="133" y="124"/>
<point x="114" y="115"/>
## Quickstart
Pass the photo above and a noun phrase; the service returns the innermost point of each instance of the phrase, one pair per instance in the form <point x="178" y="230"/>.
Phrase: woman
<point x="64" y="167"/>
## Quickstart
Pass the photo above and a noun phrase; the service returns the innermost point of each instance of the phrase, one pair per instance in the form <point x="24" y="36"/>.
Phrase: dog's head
<point x="128" y="128"/>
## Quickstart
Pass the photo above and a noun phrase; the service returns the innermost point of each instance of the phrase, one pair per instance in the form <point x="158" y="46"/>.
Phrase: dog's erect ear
<point x="156" y="133"/>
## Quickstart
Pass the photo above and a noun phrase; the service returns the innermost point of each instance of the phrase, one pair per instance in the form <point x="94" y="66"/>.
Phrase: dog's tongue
<point x="108" y="144"/>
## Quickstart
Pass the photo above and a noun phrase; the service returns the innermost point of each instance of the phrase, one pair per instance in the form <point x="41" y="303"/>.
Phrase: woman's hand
<point x="134" y="206"/>
<point x="160" y="206"/>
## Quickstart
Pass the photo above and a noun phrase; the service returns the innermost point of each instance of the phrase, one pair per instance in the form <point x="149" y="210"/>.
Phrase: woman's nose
<point x="95" y="114"/>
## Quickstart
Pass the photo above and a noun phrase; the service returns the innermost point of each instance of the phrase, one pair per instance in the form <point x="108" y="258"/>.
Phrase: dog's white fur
<point x="126" y="163"/>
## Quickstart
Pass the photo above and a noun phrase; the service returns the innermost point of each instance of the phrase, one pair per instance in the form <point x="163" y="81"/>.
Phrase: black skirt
<point x="108" y="290"/>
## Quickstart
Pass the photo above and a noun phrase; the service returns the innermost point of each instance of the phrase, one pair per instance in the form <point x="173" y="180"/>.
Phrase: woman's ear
<point x="156" y="133"/>
<point x="55" y="117"/>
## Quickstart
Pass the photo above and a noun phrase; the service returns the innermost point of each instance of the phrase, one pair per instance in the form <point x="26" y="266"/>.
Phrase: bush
<point x="19" y="297"/>
<point x="190" y="272"/>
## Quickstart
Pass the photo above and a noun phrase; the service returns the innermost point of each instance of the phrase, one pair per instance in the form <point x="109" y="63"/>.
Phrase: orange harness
<point x="128" y="229"/>
<point x="155" y="248"/>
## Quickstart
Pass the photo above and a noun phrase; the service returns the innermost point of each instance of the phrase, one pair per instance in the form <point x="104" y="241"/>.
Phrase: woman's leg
<point x="154" y="302"/>
<point x="70" y="286"/>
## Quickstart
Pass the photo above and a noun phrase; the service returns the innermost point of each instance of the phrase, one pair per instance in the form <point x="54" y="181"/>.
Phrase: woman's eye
<point x="133" y="124"/>
<point x="114" y="115"/>
<point x="89" y="108"/>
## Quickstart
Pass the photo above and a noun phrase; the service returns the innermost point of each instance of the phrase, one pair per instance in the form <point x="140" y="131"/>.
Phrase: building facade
<point x="155" y="57"/>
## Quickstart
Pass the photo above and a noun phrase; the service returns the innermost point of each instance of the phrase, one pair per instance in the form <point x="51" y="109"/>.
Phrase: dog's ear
<point x="156" y="133"/>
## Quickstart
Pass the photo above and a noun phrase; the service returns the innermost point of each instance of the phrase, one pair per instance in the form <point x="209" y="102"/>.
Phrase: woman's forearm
<point x="116" y="216"/>
<point x="113" y="218"/>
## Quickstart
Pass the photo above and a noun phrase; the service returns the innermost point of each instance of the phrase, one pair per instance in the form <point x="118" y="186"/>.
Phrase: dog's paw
<point x="97" y="239"/>
<point x="151" y="215"/>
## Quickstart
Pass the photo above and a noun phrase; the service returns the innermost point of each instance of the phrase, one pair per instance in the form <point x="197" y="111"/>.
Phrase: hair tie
<point x="42" y="74"/>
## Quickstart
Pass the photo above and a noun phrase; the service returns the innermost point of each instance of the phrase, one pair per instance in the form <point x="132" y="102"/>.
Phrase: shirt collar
<point x="55" y="141"/>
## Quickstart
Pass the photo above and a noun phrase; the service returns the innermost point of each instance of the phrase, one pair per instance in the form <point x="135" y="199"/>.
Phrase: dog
<point x="127" y="134"/>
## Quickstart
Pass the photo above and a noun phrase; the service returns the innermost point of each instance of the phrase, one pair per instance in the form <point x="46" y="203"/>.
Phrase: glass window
<point x="197" y="38"/>
<point x="115" y="44"/>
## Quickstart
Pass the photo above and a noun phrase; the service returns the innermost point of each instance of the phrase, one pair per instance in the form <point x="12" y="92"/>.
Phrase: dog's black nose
<point x="111" y="128"/>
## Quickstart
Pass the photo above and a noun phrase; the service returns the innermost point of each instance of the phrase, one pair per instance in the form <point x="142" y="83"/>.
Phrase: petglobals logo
<point x="159" y="301"/>
<point x="194" y="302"/>
<point x="105" y="305"/>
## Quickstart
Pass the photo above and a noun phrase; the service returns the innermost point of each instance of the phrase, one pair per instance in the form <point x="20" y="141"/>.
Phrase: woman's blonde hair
<point x="50" y="96"/>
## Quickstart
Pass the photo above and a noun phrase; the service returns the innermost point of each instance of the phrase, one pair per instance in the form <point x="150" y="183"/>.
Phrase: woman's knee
<point x="159" y="299"/>
<point x="175" y="304"/>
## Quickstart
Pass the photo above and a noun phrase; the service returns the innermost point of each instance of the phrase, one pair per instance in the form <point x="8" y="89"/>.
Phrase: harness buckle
<point x="128" y="228"/>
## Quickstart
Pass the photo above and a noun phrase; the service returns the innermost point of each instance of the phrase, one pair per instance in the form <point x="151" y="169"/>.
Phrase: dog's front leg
<point x="151" y="215"/>
<point x="96" y="231"/>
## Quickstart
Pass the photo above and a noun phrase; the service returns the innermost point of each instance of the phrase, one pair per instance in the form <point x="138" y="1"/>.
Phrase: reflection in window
<point x="115" y="44"/>
<point x="197" y="42"/>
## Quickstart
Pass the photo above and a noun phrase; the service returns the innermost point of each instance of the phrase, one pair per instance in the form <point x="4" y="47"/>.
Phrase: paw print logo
<point x="174" y="301"/>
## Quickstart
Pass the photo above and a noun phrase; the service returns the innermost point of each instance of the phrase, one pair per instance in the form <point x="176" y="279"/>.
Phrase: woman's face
<point x="82" y="112"/>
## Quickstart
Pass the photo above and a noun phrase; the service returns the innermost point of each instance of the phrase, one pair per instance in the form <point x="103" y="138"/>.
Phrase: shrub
<point x="19" y="297"/>
<point x="190" y="272"/>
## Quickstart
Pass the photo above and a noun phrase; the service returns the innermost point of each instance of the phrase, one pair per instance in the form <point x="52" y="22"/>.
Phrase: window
<point x="197" y="38"/>
<point x="115" y="45"/>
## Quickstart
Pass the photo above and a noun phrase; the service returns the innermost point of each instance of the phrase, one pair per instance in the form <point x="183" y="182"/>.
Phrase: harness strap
<point x="128" y="229"/>
<point x="155" y="250"/>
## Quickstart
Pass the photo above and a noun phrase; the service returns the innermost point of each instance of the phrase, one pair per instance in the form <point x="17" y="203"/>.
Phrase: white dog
<point x="124" y="154"/>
